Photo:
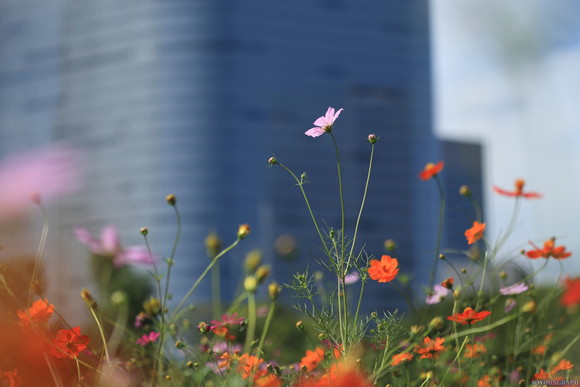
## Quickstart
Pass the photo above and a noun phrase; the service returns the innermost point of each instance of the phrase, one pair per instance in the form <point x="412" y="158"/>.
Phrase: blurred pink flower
<point x="351" y="278"/>
<point x="439" y="293"/>
<point x="110" y="246"/>
<point x="148" y="338"/>
<point x="518" y="288"/>
<point x="38" y="176"/>
<point x="324" y="123"/>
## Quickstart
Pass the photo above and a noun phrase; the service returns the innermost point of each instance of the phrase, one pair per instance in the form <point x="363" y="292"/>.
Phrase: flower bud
<point x="144" y="231"/>
<point x="170" y="199"/>
<point x="119" y="297"/>
<point x="303" y="176"/>
<point x="243" y="230"/>
<point x="213" y="244"/>
<point x="448" y="283"/>
<point x="179" y="344"/>
<point x="436" y="323"/>
<point x="35" y="198"/>
<point x="442" y="256"/>
<point x="390" y="245"/>
<point x="372" y="138"/>
<point x="530" y="306"/>
<point x="88" y="298"/>
<point x="203" y="327"/>
<point x="300" y="325"/>
<point x="250" y="284"/>
<point x="274" y="290"/>
<point x="322" y="336"/>
<point x="503" y="275"/>
<point x="465" y="191"/>
<point x="262" y="273"/>
<point x="152" y="306"/>
<point x="416" y="329"/>
<point x="253" y="260"/>
<point x="272" y="161"/>
<point x="463" y="270"/>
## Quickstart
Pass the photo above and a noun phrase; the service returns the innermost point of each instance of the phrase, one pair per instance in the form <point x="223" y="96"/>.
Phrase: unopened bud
<point x="503" y="275"/>
<point x="274" y="290"/>
<point x="179" y="344"/>
<point x="436" y="323"/>
<point x="170" y="199"/>
<point x="465" y="191"/>
<point x="262" y="273"/>
<point x="272" y="161"/>
<point x="203" y="327"/>
<point x="463" y="270"/>
<point x="390" y="245"/>
<point x="35" y="198"/>
<point x="213" y="244"/>
<point x="250" y="284"/>
<point x="530" y="306"/>
<point x="253" y="260"/>
<point x="152" y="306"/>
<point x="144" y="231"/>
<point x="303" y="176"/>
<point x="322" y="336"/>
<point x="441" y="256"/>
<point x="190" y="364"/>
<point x="372" y="138"/>
<point x="416" y="329"/>
<point x="448" y="283"/>
<point x="243" y="230"/>
<point x="88" y="298"/>
<point x="300" y="325"/>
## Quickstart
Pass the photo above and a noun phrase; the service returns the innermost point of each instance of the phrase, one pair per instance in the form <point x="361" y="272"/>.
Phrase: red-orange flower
<point x="474" y="350"/>
<point x="312" y="359"/>
<point x="484" y="382"/>
<point x="431" y="170"/>
<point x="399" y="358"/>
<point x="69" y="343"/>
<point x="558" y="252"/>
<point x="384" y="270"/>
<point x="469" y="316"/>
<point x="10" y="378"/>
<point x="475" y="233"/>
<point x="248" y="364"/>
<point x="339" y="377"/>
<point x="430" y="348"/>
<point x="519" y="192"/>
<point x="39" y="313"/>
<point x="571" y="295"/>
<point x="562" y="366"/>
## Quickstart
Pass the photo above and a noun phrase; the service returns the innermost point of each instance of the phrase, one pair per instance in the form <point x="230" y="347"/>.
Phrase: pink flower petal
<point x="134" y="255"/>
<point x="85" y="237"/>
<point x="337" y="114"/>
<point x="321" y="121"/>
<point x="314" y="132"/>
<point x="110" y="240"/>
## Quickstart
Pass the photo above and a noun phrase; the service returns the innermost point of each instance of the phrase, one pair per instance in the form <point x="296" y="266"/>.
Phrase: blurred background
<point x="191" y="97"/>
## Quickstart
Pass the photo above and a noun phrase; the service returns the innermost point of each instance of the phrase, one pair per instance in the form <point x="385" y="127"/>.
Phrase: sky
<point x="506" y="74"/>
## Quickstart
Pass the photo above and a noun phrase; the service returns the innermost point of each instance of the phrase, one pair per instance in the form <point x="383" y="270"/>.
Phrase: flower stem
<point x="39" y="253"/>
<point x="215" y="291"/>
<point x="102" y="334"/>
<point x="251" y="322"/>
<point x="439" y="232"/>
<point x="266" y="326"/>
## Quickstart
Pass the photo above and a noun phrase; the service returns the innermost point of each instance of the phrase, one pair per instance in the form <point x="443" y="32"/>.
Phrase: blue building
<point x="192" y="97"/>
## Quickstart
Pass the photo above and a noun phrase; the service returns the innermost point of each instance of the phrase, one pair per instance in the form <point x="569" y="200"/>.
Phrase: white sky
<point x="508" y="75"/>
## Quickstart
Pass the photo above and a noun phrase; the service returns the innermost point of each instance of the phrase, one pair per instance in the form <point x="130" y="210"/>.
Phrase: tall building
<point x="192" y="97"/>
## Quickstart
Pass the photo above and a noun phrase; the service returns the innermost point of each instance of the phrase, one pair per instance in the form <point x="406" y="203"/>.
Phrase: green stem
<point x="102" y="333"/>
<point x="459" y="350"/>
<point x="439" y="232"/>
<point x="342" y="230"/>
<point x="300" y="183"/>
<point x="216" y="291"/>
<point x="266" y="326"/>
<point x="251" y="322"/>
<point x="360" y="296"/>
<point x="170" y="259"/>
<point x="480" y="292"/>
<point x="39" y="253"/>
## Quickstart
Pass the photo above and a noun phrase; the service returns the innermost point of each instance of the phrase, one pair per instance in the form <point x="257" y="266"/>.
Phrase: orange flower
<point x="312" y="359"/>
<point x="562" y="365"/>
<point x="558" y="252"/>
<point x="431" y="170"/>
<point x="69" y="343"/>
<point x="339" y="377"/>
<point x="571" y="295"/>
<point x="430" y="348"/>
<point x="39" y="313"/>
<point x="474" y="350"/>
<point x="399" y="358"/>
<point x="248" y="364"/>
<point x="541" y="375"/>
<point x="469" y="316"/>
<point x="519" y="192"/>
<point x="384" y="270"/>
<point x="10" y="378"/>
<point x="540" y="350"/>
<point x="484" y="382"/>
<point x="475" y="233"/>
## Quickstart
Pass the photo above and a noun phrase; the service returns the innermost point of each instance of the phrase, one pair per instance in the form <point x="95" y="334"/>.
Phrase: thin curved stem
<point x="439" y="232"/>
<point x="39" y="253"/>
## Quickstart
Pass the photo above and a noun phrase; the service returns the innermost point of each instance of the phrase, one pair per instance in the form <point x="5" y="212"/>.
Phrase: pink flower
<point x="439" y="293"/>
<point x="351" y="278"/>
<point x="146" y="339"/>
<point x="110" y="246"/>
<point x="40" y="175"/>
<point x="227" y="320"/>
<point x="324" y="123"/>
<point x="513" y="289"/>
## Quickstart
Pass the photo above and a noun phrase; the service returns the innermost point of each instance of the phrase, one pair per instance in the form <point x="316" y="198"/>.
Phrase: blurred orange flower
<point x="475" y="233"/>
<point x="69" y="343"/>
<point x="384" y="270"/>
<point x="484" y="382"/>
<point x="339" y="377"/>
<point x="430" y="348"/>
<point x="312" y="359"/>
<point x="431" y="170"/>
<point x="558" y="252"/>
<point x="37" y="314"/>
<point x="571" y="294"/>
<point x="519" y="192"/>
<point x="469" y="316"/>
<point x="399" y="358"/>
<point x="474" y="350"/>
<point x="248" y="364"/>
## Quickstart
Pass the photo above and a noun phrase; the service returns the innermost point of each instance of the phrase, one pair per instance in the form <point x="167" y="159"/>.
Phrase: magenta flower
<point x="110" y="246"/>
<point x="439" y="293"/>
<point x="148" y="338"/>
<point x="518" y="288"/>
<point x="324" y="123"/>
<point x="38" y="176"/>
<point x="227" y="320"/>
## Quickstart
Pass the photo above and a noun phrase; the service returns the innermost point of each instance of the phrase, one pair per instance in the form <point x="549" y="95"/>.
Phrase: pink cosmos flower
<point x="324" y="123"/>
<point x="110" y="246"/>
<point x="518" y="288"/>
<point x="351" y="278"/>
<point x="40" y="175"/>
<point x="148" y="338"/>
<point x="227" y="320"/>
<point x="439" y="293"/>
